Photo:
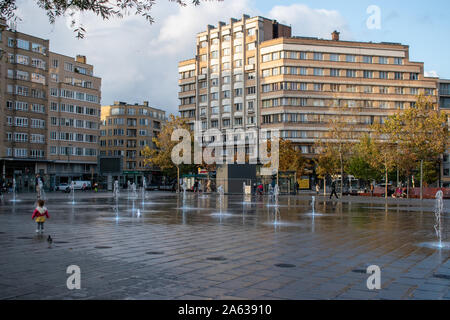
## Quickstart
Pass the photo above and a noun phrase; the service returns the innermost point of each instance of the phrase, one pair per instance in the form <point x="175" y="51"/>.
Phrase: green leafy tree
<point x="105" y="9"/>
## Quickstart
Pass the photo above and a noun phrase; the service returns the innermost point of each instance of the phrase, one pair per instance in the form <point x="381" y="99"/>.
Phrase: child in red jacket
<point x="40" y="213"/>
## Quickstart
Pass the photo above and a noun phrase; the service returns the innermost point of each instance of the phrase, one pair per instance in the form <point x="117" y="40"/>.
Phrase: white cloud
<point x="431" y="73"/>
<point x="309" y="22"/>
<point x="138" y="61"/>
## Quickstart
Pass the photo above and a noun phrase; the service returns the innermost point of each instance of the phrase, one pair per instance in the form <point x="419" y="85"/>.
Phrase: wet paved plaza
<point x="167" y="248"/>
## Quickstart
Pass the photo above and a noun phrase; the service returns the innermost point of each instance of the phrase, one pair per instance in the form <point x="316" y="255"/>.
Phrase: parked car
<point x="152" y="187"/>
<point x="63" y="187"/>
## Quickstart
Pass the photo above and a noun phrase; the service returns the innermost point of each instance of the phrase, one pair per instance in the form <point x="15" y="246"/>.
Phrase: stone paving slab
<point x="155" y="250"/>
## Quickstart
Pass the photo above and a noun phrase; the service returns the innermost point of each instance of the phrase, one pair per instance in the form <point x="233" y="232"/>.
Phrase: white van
<point x="78" y="185"/>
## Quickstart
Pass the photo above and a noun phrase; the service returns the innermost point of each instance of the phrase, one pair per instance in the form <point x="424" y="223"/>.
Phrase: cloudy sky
<point x="138" y="61"/>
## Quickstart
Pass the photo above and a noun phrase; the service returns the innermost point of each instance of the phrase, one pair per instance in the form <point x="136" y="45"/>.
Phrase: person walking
<point x="333" y="190"/>
<point x="296" y="186"/>
<point x="371" y="189"/>
<point x="317" y="189"/>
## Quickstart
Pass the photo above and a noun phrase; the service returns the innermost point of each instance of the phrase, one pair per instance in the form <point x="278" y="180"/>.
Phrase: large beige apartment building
<point x="253" y="73"/>
<point x="74" y="118"/>
<point x="33" y="96"/>
<point x="125" y="130"/>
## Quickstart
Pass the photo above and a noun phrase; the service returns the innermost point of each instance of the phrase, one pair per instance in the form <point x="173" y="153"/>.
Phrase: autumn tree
<point x="102" y="8"/>
<point x="289" y="158"/>
<point x="337" y="142"/>
<point x="420" y="134"/>
<point x="161" y="155"/>
<point x="327" y="164"/>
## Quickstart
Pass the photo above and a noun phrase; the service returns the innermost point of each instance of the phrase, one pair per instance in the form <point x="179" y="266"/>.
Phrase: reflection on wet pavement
<point x="170" y="247"/>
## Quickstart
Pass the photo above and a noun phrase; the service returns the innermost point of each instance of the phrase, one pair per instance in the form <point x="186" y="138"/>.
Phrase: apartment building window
<point x="21" y="122"/>
<point x="266" y="73"/>
<point x="226" y="122"/>
<point x="203" y="44"/>
<point x="399" y="105"/>
<point x="334" y="57"/>
<point x="238" y="106"/>
<point x="203" y="98"/>
<point x="238" y="35"/>
<point x="226" y="79"/>
<point x="368" y="89"/>
<point x="398" y="76"/>
<point x="22" y="59"/>
<point x="21" y="90"/>
<point x="226" y="94"/>
<point x="20" y="153"/>
<point x="414" y="91"/>
<point x="238" y="48"/>
<point x="38" y="123"/>
<point x="398" y="61"/>
<point x="68" y="66"/>
<point x="20" y="137"/>
<point x="266" y="57"/>
<point x="38" y="78"/>
<point x="351" y="88"/>
<point x="251" y="32"/>
<point x="351" y="73"/>
<point x="318" y="71"/>
<point x="413" y="76"/>
<point x="251" y="76"/>
<point x="382" y="60"/>
<point x="251" y="60"/>
<point x="38" y="108"/>
<point x="38" y="63"/>
<point x="215" y="67"/>
<point x="251" y="120"/>
<point x="203" y="84"/>
<point x="318" y="56"/>
<point x="214" y="54"/>
<point x="318" y="87"/>
<point x="214" y="82"/>
<point x="214" y="96"/>
<point x="334" y="72"/>
<point x="275" y="71"/>
<point x="350" y="58"/>
<point x="429" y="92"/>
<point x="214" y="123"/>
<point x="238" y="92"/>
<point x="226" y="37"/>
<point x="238" y="63"/>
<point x="237" y="121"/>
<point x="276" y="55"/>
<point x="383" y="105"/>
<point x="238" y="77"/>
<point x="383" y="75"/>
<point x="398" y="90"/>
<point x="251" y="90"/>
<point x="335" y="87"/>
<point x="367" y="59"/>
<point x="227" y="108"/>
<point x="368" y="74"/>
<point x="251" y="46"/>
<point x="23" y="44"/>
<point x="303" y="55"/>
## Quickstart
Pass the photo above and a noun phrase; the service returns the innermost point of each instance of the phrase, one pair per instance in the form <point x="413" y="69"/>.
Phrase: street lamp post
<point x="69" y="150"/>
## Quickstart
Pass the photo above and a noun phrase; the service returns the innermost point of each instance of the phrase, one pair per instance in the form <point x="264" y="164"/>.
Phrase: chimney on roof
<point x="81" y="59"/>
<point x="146" y="103"/>
<point x="335" y="35"/>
